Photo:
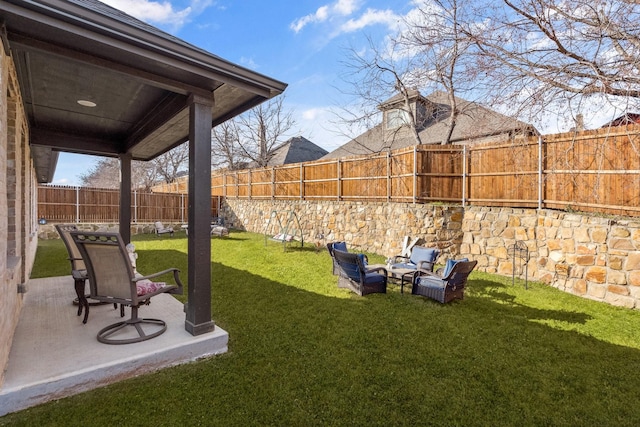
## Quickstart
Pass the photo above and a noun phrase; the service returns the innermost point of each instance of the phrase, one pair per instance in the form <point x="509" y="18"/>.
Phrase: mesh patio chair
<point x="446" y="284"/>
<point x="112" y="279"/>
<point x="78" y="269"/>
<point x="354" y="274"/>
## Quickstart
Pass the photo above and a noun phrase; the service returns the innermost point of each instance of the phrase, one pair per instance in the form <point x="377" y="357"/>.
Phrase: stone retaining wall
<point x="372" y="227"/>
<point x="48" y="231"/>
<point x="597" y="258"/>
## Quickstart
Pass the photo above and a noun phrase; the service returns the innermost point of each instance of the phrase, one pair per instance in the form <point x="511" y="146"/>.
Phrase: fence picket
<point x="102" y="205"/>
<point x="595" y="170"/>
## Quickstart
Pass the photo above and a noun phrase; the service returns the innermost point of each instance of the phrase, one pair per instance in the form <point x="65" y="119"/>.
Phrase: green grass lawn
<point x="304" y="353"/>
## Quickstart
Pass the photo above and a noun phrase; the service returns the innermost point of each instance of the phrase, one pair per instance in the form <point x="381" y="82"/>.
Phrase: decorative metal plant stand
<point x="519" y="253"/>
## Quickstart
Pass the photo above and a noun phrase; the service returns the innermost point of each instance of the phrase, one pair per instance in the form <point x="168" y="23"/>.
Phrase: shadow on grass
<point x="300" y="357"/>
<point x="495" y="291"/>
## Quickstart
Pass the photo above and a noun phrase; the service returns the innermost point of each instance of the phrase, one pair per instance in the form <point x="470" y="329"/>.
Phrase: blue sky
<point x="301" y="43"/>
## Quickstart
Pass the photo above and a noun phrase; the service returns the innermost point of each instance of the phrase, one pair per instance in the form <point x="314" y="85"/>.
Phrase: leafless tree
<point x="433" y="33"/>
<point x="105" y="173"/>
<point x="262" y="129"/>
<point x="429" y="53"/>
<point x="550" y="51"/>
<point x="225" y="147"/>
<point x="252" y="136"/>
<point x="373" y="75"/>
<point x="169" y="165"/>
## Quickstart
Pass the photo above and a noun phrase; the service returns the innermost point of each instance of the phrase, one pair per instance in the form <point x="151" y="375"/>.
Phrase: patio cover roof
<point x="139" y="77"/>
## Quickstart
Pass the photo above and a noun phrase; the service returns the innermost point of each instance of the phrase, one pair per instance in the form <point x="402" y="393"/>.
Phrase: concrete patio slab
<point x="55" y="355"/>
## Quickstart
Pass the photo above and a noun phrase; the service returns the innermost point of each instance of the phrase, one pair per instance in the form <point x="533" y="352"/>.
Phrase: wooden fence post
<point x="182" y="207"/>
<point x="415" y="174"/>
<point x="273" y="182"/>
<point x="77" y="204"/>
<point x="464" y="176"/>
<point x="301" y="182"/>
<point x="540" y="172"/>
<point x="339" y="186"/>
<point x="388" y="176"/>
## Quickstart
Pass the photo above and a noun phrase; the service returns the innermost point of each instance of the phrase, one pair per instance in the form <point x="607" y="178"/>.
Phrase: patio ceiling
<point x="139" y="78"/>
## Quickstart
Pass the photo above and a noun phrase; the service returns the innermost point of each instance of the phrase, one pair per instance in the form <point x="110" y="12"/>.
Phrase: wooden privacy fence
<point x="97" y="205"/>
<point x="414" y="174"/>
<point x="596" y="170"/>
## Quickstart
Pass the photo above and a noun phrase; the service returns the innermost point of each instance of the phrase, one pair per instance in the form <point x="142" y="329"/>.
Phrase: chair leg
<point x="82" y="299"/>
<point x="104" y="336"/>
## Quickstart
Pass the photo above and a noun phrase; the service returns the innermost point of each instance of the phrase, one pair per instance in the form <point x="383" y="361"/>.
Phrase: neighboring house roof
<point x="626" y="119"/>
<point x="295" y="150"/>
<point x="475" y="123"/>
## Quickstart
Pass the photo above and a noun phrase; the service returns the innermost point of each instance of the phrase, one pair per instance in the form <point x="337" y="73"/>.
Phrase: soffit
<point x="140" y="79"/>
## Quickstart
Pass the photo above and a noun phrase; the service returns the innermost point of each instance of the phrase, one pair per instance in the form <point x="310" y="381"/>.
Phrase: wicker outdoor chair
<point x="354" y="274"/>
<point x="112" y="279"/>
<point x="421" y="258"/>
<point x="340" y="246"/>
<point x="446" y="284"/>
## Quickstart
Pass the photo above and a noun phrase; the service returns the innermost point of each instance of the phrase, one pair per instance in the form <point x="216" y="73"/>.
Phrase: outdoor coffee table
<point x="401" y="274"/>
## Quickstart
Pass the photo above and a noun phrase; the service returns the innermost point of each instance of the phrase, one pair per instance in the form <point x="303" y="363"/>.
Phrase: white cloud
<point x="346" y="7"/>
<point x="312" y="113"/>
<point x="340" y="8"/>
<point x="249" y="63"/>
<point x="371" y="17"/>
<point x="317" y="124"/>
<point x="62" y="181"/>
<point x="160" y="12"/>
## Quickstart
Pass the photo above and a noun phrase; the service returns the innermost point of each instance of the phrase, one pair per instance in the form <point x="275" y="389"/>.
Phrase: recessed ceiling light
<point x="86" y="103"/>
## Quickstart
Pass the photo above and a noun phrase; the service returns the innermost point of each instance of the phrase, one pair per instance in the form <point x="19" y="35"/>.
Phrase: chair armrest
<point x="380" y="270"/>
<point x="176" y="277"/>
<point x="79" y="274"/>
<point x="422" y="273"/>
<point x="432" y="280"/>
<point x="425" y="265"/>
<point x="400" y="258"/>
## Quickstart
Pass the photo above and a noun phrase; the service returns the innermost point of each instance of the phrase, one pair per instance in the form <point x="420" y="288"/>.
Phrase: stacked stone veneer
<point x="597" y="258"/>
<point x="48" y="231"/>
<point x="373" y="227"/>
<point x="594" y="257"/>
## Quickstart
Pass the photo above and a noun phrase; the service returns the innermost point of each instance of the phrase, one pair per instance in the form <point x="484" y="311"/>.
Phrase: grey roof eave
<point x="137" y="37"/>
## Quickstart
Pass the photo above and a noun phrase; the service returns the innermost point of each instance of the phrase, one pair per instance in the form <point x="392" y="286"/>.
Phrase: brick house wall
<point x="18" y="206"/>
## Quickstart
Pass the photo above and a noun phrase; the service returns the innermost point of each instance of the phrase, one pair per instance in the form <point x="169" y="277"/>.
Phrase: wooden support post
<point x="198" y="309"/>
<point x="125" y="197"/>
